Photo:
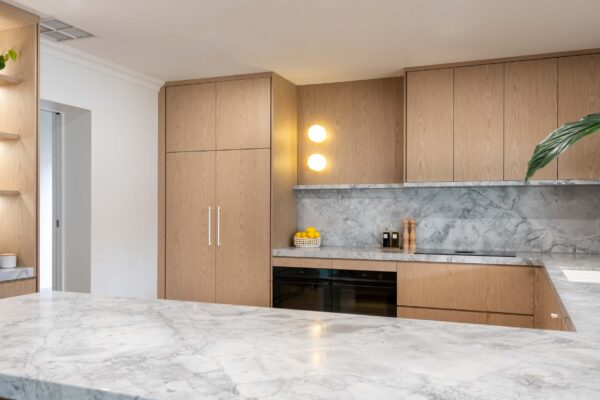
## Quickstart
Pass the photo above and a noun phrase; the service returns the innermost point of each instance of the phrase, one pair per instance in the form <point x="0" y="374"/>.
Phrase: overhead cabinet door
<point x="243" y="255"/>
<point x="579" y="95"/>
<point x="244" y="114"/>
<point x="190" y="227"/>
<point x="429" y="131"/>
<point x="478" y="122"/>
<point x="190" y="117"/>
<point x="530" y="114"/>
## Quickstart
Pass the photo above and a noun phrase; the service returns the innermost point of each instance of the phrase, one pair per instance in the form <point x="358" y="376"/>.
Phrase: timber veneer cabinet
<point x="227" y="152"/>
<point x="481" y="120"/>
<point x="19" y="103"/>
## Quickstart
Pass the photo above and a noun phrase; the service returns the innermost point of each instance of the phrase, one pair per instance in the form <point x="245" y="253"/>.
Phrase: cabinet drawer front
<point x="471" y="287"/>
<point x="301" y="262"/>
<point x="364" y="265"/>
<point x="17" y="288"/>
<point x="470" y="317"/>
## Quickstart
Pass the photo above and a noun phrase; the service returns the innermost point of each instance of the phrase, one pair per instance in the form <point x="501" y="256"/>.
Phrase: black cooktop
<point x="480" y="253"/>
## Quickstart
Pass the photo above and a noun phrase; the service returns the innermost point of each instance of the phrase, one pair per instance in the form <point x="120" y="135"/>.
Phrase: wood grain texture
<point x="429" y="126"/>
<point x="364" y="265"/>
<point x="579" y="95"/>
<point x="244" y="114"/>
<point x="301" y="262"/>
<point x="190" y="117"/>
<point x="364" y="123"/>
<point x="478" y="123"/>
<point x="504" y="59"/>
<point x="14" y="17"/>
<point x="190" y="261"/>
<point x="471" y="317"/>
<point x="160" y="253"/>
<point x="468" y="287"/>
<point x="18" y="164"/>
<point x="17" y="288"/>
<point x="284" y="163"/>
<point x="244" y="257"/>
<point x="530" y="114"/>
<point x="546" y="303"/>
<point x="219" y="79"/>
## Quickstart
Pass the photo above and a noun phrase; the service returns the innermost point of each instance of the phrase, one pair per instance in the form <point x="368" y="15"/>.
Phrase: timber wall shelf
<point x="9" y="136"/>
<point x="9" y="193"/>
<point x="8" y="80"/>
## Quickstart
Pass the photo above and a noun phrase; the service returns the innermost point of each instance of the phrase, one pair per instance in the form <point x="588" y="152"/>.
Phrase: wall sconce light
<point x="317" y="162"/>
<point x="317" y="133"/>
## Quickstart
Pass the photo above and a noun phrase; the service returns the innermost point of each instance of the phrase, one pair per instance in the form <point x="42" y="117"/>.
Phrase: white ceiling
<point x="313" y="41"/>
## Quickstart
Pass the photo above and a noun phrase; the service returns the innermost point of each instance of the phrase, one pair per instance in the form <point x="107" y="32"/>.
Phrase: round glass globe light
<point x="317" y="133"/>
<point x="317" y="162"/>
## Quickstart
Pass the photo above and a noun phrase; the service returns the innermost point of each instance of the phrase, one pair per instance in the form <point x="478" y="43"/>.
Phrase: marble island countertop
<point x="77" y="346"/>
<point x="580" y="299"/>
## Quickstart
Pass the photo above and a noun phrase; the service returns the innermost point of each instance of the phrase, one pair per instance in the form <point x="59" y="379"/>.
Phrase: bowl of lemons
<point x="309" y="238"/>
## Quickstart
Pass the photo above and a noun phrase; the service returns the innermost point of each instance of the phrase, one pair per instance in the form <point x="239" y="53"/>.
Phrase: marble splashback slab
<point x="535" y="218"/>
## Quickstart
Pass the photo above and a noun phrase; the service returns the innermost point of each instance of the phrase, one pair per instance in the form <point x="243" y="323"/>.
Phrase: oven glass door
<point x="366" y="299"/>
<point x="302" y="295"/>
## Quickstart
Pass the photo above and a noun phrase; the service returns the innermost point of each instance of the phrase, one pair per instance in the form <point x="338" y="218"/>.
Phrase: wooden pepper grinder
<point x="413" y="235"/>
<point x="405" y="235"/>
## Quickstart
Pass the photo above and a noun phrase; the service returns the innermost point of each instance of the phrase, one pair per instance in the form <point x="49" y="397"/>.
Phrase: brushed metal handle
<point x="553" y="315"/>
<point x="209" y="226"/>
<point x="219" y="227"/>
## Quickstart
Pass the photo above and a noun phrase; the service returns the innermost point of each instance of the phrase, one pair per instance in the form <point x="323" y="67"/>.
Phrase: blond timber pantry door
<point x="190" y="226"/>
<point x="243" y="224"/>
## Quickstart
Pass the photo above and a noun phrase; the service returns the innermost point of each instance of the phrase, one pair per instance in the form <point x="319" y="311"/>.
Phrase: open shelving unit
<point x="9" y="136"/>
<point x="6" y="80"/>
<point x="19" y="102"/>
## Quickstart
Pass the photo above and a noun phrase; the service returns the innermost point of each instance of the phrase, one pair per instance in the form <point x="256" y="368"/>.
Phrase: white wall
<point x="46" y="203"/>
<point x="124" y="110"/>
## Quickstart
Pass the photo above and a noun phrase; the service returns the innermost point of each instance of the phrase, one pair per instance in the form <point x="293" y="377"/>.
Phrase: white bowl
<point x="8" y="260"/>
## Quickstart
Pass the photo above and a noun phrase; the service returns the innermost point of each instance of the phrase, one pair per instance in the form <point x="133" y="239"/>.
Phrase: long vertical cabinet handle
<point x="219" y="227"/>
<point x="209" y="226"/>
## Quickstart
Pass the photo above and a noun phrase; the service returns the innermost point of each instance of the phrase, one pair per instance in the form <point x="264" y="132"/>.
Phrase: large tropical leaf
<point x="560" y="140"/>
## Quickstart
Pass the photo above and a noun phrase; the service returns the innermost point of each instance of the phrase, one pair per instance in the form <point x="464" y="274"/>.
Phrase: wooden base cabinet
<point x="548" y="311"/>
<point x="470" y="317"/>
<point x="481" y="294"/>
<point x="17" y="288"/>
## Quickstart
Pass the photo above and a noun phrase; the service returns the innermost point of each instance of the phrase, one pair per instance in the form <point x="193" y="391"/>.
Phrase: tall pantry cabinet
<point x="227" y="152"/>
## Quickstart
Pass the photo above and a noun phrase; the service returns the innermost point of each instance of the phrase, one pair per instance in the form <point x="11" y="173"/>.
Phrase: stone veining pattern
<point x="530" y="219"/>
<point x="73" y="346"/>
<point x="11" y="274"/>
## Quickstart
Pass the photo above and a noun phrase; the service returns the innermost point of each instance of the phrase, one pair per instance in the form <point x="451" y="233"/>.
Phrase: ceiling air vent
<point x="59" y="31"/>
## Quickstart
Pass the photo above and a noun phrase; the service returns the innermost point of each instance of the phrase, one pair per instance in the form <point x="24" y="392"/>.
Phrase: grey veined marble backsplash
<point x="549" y="219"/>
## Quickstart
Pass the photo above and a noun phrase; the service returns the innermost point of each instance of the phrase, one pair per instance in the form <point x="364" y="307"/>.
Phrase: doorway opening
<point x="64" y="198"/>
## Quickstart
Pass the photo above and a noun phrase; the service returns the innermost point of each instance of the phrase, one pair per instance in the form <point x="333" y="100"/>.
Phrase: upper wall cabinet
<point x="529" y="115"/>
<point x="478" y="122"/>
<point x="364" y="125"/>
<point x="190" y="117"/>
<point x="579" y="95"/>
<point x="244" y="114"/>
<point x="429" y="125"/>
<point x="481" y="121"/>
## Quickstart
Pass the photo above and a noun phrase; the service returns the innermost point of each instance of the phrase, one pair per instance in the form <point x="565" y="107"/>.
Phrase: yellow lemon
<point x="310" y="229"/>
<point x="303" y="235"/>
<point x="311" y="235"/>
<point x="317" y="235"/>
<point x="298" y="234"/>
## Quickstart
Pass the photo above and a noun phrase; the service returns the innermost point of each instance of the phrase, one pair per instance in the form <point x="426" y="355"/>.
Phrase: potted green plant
<point x="560" y="140"/>
<point x="4" y="57"/>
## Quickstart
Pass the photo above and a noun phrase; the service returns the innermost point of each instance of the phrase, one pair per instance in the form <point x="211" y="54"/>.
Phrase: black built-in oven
<point x="343" y="291"/>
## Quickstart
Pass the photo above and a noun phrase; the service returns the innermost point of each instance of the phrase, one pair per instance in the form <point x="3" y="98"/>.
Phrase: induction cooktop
<point x="480" y="253"/>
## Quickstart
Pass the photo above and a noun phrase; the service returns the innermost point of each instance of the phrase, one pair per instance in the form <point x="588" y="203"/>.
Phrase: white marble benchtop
<point x="77" y="346"/>
<point x="11" y="274"/>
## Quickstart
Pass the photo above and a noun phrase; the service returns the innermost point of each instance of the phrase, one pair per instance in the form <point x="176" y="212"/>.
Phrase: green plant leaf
<point x="12" y="54"/>
<point x="2" y="63"/>
<point x="560" y="140"/>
